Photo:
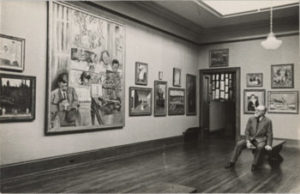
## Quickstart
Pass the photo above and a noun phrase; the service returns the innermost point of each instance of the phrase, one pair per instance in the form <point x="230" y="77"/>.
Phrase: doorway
<point x="220" y="103"/>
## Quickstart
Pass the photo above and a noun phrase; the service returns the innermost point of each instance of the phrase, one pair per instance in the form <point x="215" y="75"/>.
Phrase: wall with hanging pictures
<point x="27" y="141"/>
<point x="252" y="58"/>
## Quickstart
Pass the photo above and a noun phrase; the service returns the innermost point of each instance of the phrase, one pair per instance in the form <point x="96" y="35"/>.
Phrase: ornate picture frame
<point x="282" y="76"/>
<point x="254" y="79"/>
<point x="252" y="99"/>
<point x="160" y="98"/>
<point x="176" y="77"/>
<point x="141" y="73"/>
<point x="218" y="57"/>
<point x="176" y="101"/>
<point x="191" y="100"/>
<point x="140" y="101"/>
<point x="283" y="102"/>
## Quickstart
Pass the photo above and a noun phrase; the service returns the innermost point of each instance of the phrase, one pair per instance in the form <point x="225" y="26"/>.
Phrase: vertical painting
<point x="140" y="101"/>
<point x="252" y="99"/>
<point x="219" y="57"/>
<point x="176" y="101"/>
<point x="284" y="102"/>
<point x="176" y="77"/>
<point x="17" y="102"/>
<point x="191" y="95"/>
<point x="12" y="53"/>
<point x="282" y="76"/>
<point x="160" y="98"/>
<point x="141" y="73"/>
<point x="85" y="71"/>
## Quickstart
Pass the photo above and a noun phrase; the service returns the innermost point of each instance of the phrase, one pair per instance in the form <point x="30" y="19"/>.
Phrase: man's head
<point x="260" y="111"/>
<point x="115" y="65"/>
<point x="63" y="81"/>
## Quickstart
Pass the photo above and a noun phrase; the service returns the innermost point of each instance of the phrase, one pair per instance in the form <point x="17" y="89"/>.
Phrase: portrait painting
<point x="218" y="57"/>
<point x="85" y="71"/>
<point x="140" y="101"/>
<point x="284" y="102"/>
<point x="254" y="79"/>
<point x="176" y="77"/>
<point x="17" y="102"/>
<point x="160" y="98"/>
<point x="191" y="95"/>
<point x="282" y="76"/>
<point x="12" y="53"/>
<point x="252" y="99"/>
<point x="176" y="101"/>
<point x="141" y="73"/>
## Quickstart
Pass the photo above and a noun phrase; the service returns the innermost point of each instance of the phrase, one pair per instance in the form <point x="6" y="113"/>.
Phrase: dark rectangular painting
<point x="191" y="108"/>
<point x="160" y="98"/>
<point x="176" y="101"/>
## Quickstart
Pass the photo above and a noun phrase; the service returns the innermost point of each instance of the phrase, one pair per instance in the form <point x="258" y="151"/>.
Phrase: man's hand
<point x="268" y="148"/>
<point x="250" y="145"/>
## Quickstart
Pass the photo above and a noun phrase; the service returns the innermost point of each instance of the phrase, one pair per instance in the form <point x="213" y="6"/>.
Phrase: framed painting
<point x="140" y="101"/>
<point x="12" y="53"/>
<point x="176" y="101"/>
<point x="218" y="57"/>
<point x="141" y="73"/>
<point x="176" y="77"/>
<point x="160" y="75"/>
<point x="160" y="98"/>
<point x="191" y="108"/>
<point x="17" y="101"/>
<point x="85" y="71"/>
<point x="254" y="79"/>
<point x="252" y="99"/>
<point x="284" y="102"/>
<point x="282" y="76"/>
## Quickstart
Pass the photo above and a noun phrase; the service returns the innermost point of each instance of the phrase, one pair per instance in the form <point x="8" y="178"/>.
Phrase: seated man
<point x="258" y="134"/>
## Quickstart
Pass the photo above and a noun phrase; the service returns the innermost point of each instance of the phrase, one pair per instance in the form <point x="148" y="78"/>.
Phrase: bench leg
<point x="274" y="157"/>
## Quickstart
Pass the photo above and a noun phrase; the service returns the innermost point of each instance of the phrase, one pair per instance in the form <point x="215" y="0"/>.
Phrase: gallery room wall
<point x="252" y="58"/>
<point x="26" y="141"/>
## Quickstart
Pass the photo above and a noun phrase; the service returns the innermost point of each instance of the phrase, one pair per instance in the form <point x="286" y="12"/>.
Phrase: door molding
<point x="237" y="73"/>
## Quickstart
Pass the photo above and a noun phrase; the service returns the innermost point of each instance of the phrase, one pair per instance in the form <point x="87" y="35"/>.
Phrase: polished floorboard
<point x="200" y="166"/>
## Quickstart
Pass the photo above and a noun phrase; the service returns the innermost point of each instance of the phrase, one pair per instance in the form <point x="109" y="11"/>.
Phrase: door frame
<point x="237" y="73"/>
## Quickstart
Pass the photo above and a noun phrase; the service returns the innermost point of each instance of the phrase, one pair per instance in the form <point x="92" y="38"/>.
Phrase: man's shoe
<point x="229" y="165"/>
<point x="253" y="167"/>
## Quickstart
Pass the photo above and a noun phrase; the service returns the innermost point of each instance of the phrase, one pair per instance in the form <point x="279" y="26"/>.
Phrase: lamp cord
<point x="271" y="19"/>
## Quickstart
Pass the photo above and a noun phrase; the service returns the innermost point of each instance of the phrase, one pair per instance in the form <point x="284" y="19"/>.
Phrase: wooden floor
<point x="200" y="166"/>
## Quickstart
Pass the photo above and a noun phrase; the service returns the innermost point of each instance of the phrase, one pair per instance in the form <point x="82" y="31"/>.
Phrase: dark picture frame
<point x="282" y="76"/>
<point x="176" y="101"/>
<point x="283" y="102"/>
<point x="140" y="101"/>
<point x="17" y="98"/>
<point x="218" y="57"/>
<point x="254" y="79"/>
<point x="160" y="98"/>
<point x="141" y="73"/>
<point x="191" y="101"/>
<point x="252" y="99"/>
<point x="12" y="53"/>
<point x="176" y="77"/>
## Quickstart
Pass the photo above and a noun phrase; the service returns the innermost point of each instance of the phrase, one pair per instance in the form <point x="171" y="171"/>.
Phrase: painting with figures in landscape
<point x="85" y="86"/>
<point x="176" y="101"/>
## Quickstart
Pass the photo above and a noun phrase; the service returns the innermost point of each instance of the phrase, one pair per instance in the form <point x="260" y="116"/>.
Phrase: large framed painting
<point x="17" y="102"/>
<point x="218" y="57"/>
<point x="141" y="73"/>
<point x="254" y="79"/>
<point x="191" y="95"/>
<point x="252" y="99"/>
<point x="282" y="76"/>
<point x="285" y="102"/>
<point x="12" y="53"/>
<point x="176" y="77"/>
<point x="85" y="71"/>
<point x="160" y="98"/>
<point x="176" y="101"/>
<point x="140" y="101"/>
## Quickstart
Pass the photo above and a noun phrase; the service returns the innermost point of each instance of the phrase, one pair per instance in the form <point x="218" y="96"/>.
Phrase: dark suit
<point x="259" y="133"/>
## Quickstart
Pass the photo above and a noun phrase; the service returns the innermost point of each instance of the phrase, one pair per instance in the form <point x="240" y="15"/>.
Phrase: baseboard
<point x="116" y="152"/>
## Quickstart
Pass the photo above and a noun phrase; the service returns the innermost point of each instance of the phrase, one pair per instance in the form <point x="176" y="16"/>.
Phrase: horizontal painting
<point x="160" y="98"/>
<point x="176" y="101"/>
<point x="283" y="102"/>
<point x="85" y="71"/>
<point x="252" y="99"/>
<point x="140" y="101"/>
<point x="219" y="57"/>
<point x="282" y="76"/>
<point x="254" y="79"/>
<point x="17" y="102"/>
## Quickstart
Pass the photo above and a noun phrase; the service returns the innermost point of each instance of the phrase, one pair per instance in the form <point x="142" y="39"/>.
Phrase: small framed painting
<point x="140" y="101"/>
<point x="17" y="98"/>
<point x="176" y="101"/>
<point x="12" y="53"/>
<point x="282" y="76"/>
<point x="160" y="75"/>
<point x="284" y="102"/>
<point x="252" y="99"/>
<point x="191" y="95"/>
<point x="141" y="73"/>
<point x="160" y="98"/>
<point x="218" y="57"/>
<point x="254" y="79"/>
<point x="176" y="77"/>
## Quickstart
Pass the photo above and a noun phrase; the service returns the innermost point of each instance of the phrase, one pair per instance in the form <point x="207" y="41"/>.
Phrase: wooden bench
<point x="161" y="187"/>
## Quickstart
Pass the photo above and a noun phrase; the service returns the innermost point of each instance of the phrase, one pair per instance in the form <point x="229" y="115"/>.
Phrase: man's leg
<point x="236" y="152"/>
<point x="258" y="152"/>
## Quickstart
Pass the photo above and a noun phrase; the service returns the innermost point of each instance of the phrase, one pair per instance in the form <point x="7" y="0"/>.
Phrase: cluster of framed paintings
<point x="172" y="99"/>
<point x="285" y="102"/>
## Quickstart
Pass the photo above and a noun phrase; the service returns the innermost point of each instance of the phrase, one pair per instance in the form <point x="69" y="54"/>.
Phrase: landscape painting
<point x="140" y="101"/>
<point x="283" y="102"/>
<point x="176" y="101"/>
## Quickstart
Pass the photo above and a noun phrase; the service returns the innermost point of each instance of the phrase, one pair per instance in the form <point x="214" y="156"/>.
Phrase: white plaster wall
<point x="252" y="58"/>
<point x="26" y="140"/>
